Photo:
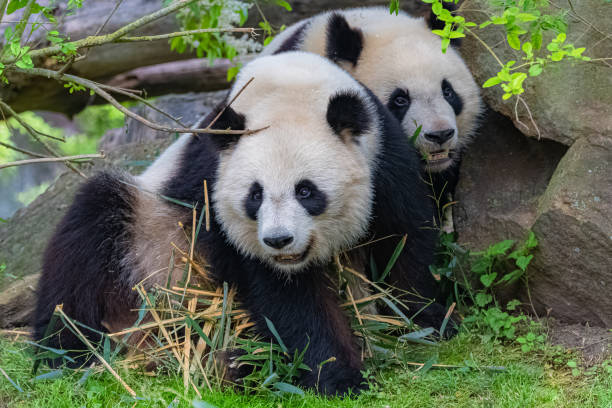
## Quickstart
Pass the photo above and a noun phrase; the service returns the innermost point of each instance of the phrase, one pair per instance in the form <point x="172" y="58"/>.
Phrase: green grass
<point x="535" y="379"/>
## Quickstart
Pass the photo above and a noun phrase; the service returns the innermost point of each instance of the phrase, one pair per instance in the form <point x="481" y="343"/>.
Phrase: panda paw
<point x="233" y="370"/>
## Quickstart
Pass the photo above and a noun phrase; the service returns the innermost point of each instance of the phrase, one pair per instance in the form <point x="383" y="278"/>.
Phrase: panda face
<point x="436" y="113"/>
<point x="300" y="190"/>
<point x="291" y="199"/>
<point x="425" y="88"/>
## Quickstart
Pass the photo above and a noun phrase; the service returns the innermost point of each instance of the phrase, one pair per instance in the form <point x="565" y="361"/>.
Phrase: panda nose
<point x="440" y="136"/>
<point x="279" y="241"/>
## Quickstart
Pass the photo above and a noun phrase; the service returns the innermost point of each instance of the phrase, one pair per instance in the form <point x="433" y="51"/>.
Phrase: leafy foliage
<point x="526" y="24"/>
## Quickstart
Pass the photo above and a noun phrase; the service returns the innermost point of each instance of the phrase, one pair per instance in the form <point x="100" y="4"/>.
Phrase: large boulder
<point x="569" y="100"/>
<point x="511" y="184"/>
<point x="502" y="178"/>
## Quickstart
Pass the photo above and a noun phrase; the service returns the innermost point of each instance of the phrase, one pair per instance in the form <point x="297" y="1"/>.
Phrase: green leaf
<point x="416" y="134"/>
<point x="276" y="335"/>
<point x="500" y="248"/>
<point x="535" y="70"/>
<point x="483" y="299"/>
<point x="557" y="56"/>
<point x="532" y="241"/>
<point x="268" y="40"/>
<point x="536" y="39"/>
<point x="455" y="34"/>
<point x="511" y="277"/>
<point x="436" y="8"/>
<point x="233" y="71"/>
<point x="15" y="5"/>
<point x="288" y="388"/>
<point x="560" y="38"/>
<point x="193" y="325"/>
<point x="488" y="279"/>
<point x="419" y="337"/>
<point x="491" y="82"/>
<point x="512" y="305"/>
<point x="396" y="253"/>
<point x="523" y="261"/>
<point x="445" y="44"/>
<point x="514" y="41"/>
<point x="572" y="364"/>
<point x="284" y="4"/>
<point x="486" y="23"/>
<point x="527" y="17"/>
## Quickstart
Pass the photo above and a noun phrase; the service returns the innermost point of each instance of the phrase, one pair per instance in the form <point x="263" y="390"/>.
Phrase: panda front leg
<point x="306" y="313"/>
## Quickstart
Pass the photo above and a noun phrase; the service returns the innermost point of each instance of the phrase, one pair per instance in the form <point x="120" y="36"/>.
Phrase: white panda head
<point x="299" y="190"/>
<point x="400" y="60"/>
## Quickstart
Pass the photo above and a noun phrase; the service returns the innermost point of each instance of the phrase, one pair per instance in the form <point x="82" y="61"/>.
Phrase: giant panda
<point x="284" y="200"/>
<point x="400" y="60"/>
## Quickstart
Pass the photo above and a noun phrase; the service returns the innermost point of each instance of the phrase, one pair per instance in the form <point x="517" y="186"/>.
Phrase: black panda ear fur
<point x="343" y="42"/>
<point x="348" y="116"/>
<point x="228" y="119"/>
<point x="435" y="24"/>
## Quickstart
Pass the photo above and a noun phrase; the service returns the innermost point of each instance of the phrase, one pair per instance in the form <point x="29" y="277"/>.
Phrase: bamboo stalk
<point x="59" y="309"/>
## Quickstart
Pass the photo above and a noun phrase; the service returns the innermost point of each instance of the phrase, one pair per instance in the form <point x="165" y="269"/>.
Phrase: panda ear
<point x="343" y="42"/>
<point x="227" y="119"/>
<point x="347" y="115"/>
<point x="435" y="24"/>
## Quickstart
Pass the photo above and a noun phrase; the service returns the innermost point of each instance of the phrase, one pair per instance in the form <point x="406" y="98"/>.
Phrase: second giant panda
<point x="400" y="60"/>
<point x="285" y="199"/>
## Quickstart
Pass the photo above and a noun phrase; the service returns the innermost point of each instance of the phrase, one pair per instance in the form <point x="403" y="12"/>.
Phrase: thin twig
<point x="35" y="134"/>
<point x="20" y="150"/>
<point x="97" y="40"/>
<point x="48" y="73"/>
<point x="51" y="160"/>
<point x="251" y="31"/>
<point x="59" y="309"/>
<point x="535" y="125"/>
<point x="211" y="124"/>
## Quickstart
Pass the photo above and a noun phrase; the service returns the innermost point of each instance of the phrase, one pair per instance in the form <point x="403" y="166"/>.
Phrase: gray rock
<point x="572" y="270"/>
<point x="502" y="177"/>
<point x="569" y="100"/>
<point x="511" y="184"/>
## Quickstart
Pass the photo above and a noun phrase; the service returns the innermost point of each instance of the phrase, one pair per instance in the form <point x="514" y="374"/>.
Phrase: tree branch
<point x="20" y="150"/>
<point x="251" y="31"/>
<point x="51" y="159"/>
<point x="97" y="40"/>
<point x="98" y="89"/>
<point x="35" y="135"/>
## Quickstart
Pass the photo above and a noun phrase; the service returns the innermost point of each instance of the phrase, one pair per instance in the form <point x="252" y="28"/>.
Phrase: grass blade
<point x="393" y="259"/>
<point x="276" y="335"/>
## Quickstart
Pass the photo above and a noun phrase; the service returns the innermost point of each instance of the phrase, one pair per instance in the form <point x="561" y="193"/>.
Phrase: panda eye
<point x="256" y="195"/>
<point x="304" y="192"/>
<point x="447" y="92"/>
<point x="401" y="101"/>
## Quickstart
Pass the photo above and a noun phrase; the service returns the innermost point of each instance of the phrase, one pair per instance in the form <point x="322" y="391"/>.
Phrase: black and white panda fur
<point x="400" y="60"/>
<point x="284" y="200"/>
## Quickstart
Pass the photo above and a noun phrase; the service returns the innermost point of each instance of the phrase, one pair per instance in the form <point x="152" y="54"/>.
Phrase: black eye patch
<point x="253" y="200"/>
<point x="399" y="103"/>
<point x="310" y="197"/>
<point x="453" y="99"/>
